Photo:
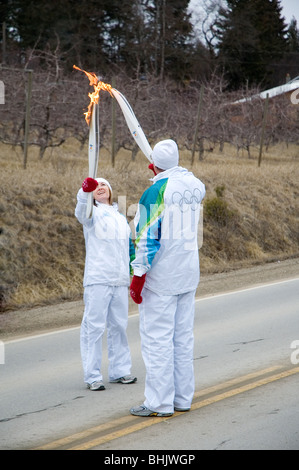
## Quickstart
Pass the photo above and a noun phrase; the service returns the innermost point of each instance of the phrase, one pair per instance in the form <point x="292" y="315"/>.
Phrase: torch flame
<point x="94" y="97"/>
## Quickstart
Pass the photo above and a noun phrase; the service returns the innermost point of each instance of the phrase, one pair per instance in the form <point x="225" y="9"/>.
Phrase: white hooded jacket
<point x="166" y="232"/>
<point x="108" y="244"/>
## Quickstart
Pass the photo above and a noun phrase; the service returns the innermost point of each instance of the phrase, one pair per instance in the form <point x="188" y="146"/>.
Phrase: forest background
<point x="180" y="85"/>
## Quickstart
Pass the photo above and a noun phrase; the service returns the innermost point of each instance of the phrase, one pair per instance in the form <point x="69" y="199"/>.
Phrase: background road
<point x="246" y="385"/>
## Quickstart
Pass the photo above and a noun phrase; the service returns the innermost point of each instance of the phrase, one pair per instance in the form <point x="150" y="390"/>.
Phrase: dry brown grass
<point x="254" y="220"/>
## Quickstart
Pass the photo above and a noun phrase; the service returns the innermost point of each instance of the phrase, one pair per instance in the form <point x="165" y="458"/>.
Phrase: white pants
<point x="105" y="304"/>
<point x="166" y="329"/>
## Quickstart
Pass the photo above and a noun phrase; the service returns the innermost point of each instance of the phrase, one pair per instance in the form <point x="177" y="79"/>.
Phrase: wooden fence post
<point x="27" y="117"/>
<point x="197" y="123"/>
<point x="263" y="128"/>
<point x="4" y="43"/>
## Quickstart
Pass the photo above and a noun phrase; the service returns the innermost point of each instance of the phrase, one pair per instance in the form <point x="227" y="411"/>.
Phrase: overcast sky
<point x="290" y="8"/>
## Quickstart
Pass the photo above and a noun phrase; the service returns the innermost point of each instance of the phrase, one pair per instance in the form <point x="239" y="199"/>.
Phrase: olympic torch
<point x="93" y="152"/>
<point x="133" y="124"/>
<point x="92" y="119"/>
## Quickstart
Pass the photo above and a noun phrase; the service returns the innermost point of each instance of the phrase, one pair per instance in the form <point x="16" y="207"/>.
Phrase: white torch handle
<point x="93" y="152"/>
<point x="133" y="124"/>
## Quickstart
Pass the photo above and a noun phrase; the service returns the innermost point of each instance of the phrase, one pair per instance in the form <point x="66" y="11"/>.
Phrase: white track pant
<point x="166" y="329"/>
<point x="105" y="304"/>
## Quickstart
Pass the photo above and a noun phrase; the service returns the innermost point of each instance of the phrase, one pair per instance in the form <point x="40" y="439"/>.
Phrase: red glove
<point x="136" y="288"/>
<point x="151" y="167"/>
<point x="89" y="185"/>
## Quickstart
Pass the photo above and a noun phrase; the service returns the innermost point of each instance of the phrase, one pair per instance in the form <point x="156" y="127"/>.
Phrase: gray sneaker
<point x="181" y="409"/>
<point x="144" y="411"/>
<point x="94" y="386"/>
<point x="127" y="379"/>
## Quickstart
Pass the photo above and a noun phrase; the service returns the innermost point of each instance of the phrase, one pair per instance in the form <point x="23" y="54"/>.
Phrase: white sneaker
<point x="127" y="379"/>
<point x="181" y="409"/>
<point x="144" y="411"/>
<point x="96" y="386"/>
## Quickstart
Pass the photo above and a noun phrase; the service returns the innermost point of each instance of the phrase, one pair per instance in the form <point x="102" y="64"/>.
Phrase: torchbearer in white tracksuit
<point x="166" y="272"/>
<point x="109" y="250"/>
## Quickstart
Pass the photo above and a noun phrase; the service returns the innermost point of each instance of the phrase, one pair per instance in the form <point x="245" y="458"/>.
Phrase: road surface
<point x="246" y="361"/>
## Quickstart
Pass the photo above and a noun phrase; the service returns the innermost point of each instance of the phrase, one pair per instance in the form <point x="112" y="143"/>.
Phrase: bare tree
<point x="164" y="109"/>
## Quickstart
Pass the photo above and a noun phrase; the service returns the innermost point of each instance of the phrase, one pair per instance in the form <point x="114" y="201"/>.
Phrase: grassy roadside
<point x="250" y="215"/>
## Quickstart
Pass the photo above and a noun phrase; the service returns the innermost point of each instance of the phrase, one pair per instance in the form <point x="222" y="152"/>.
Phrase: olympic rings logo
<point x="187" y="199"/>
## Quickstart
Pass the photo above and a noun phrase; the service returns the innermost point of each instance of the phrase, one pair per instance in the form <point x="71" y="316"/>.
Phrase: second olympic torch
<point x="133" y="124"/>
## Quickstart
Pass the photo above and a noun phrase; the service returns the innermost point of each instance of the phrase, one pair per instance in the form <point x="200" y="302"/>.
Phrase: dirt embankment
<point x="250" y="215"/>
<point x="21" y="323"/>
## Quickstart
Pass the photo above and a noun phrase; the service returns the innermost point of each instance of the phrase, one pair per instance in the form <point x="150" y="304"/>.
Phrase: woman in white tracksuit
<point x="106" y="280"/>
<point x="167" y="265"/>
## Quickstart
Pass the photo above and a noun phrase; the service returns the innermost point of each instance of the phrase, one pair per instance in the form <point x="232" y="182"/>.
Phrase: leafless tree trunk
<point x="163" y="108"/>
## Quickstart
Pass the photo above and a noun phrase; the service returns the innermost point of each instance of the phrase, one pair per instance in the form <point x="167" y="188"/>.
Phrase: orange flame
<point x="94" y="97"/>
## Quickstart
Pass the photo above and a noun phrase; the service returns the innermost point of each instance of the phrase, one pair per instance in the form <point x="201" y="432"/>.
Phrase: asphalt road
<point x="246" y="362"/>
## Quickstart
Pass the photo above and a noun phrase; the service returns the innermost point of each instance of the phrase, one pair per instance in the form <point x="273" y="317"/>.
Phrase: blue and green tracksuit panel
<point x="166" y="232"/>
<point x="148" y="221"/>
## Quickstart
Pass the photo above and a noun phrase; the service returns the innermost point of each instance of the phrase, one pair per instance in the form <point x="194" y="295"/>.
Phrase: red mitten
<point x="136" y="288"/>
<point x="89" y="185"/>
<point x="151" y="167"/>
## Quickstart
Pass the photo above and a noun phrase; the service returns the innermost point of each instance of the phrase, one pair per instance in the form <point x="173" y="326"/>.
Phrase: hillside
<point x="250" y="215"/>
